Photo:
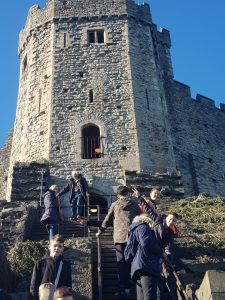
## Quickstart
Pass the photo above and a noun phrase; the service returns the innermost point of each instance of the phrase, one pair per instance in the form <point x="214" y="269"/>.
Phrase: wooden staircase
<point x="67" y="229"/>
<point x="109" y="267"/>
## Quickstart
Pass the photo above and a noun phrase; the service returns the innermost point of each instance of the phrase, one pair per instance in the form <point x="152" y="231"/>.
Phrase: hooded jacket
<point x="143" y="250"/>
<point x="164" y="234"/>
<point x="45" y="271"/>
<point x="51" y="203"/>
<point x="120" y="214"/>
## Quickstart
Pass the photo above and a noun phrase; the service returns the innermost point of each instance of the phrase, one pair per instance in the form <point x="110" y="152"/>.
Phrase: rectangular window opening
<point x="25" y="63"/>
<point x="147" y="99"/>
<point x="96" y="36"/>
<point x="91" y="96"/>
<point x="64" y="40"/>
<point x="39" y="100"/>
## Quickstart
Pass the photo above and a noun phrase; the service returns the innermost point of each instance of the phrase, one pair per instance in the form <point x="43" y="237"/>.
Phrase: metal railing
<point x="99" y="269"/>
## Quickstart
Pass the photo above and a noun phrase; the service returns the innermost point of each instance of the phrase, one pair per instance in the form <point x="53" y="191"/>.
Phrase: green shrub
<point x="23" y="256"/>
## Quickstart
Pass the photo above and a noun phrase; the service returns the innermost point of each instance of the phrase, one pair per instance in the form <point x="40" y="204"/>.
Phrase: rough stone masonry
<point x="97" y="93"/>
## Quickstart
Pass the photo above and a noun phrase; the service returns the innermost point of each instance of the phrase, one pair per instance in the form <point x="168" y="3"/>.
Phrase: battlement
<point x="101" y="8"/>
<point x="182" y="89"/>
<point x="82" y="9"/>
<point x="163" y="36"/>
<point x="185" y="92"/>
<point x="36" y="17"/>
<point x="205" y="100"/>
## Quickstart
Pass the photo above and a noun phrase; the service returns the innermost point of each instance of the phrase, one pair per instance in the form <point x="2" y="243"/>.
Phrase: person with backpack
<point x="50" y="272"/>
<point x="145" y="254"/>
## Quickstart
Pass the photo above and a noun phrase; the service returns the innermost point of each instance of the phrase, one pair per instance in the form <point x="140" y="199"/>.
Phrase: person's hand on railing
<point x="135" y="193"/>
<point x="81" y="221"/>
<point x="98" y="234"/>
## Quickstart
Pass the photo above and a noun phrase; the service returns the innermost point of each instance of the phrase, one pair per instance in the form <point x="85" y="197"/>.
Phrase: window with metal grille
<point x="91" y="142"/>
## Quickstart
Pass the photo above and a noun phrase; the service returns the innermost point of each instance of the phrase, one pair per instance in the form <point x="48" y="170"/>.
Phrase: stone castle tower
<point x="97" y="93"/>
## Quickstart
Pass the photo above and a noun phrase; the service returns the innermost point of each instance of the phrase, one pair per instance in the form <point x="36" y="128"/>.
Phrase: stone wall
<point x="4" y="165"/>
<point x="198" y="139"/>
<point x="16" y="220"/>
<point x="29" y="181"/>
<point x="79" y="254"/>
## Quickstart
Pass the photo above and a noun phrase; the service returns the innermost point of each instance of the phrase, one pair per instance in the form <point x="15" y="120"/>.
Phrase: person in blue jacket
<point x="145" y="255"/>
<point x="52" y="214"/>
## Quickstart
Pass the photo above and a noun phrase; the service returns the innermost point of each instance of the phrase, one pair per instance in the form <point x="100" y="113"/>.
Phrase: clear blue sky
<point x="197" y="30"/>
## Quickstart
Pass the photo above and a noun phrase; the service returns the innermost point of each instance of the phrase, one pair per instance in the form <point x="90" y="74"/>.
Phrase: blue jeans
<point x="77" y="205"/>
<point x="53" y="230"/>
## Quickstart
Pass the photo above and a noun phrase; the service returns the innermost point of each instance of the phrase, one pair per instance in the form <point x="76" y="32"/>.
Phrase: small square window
<point x="96" y="36"/>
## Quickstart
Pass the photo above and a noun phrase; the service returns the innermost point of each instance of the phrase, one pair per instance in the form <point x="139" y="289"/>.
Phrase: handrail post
<point x="99" y="270"/>
<point x="42" y="178"/>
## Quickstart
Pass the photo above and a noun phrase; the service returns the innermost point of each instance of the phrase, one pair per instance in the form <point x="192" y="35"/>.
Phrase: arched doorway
<point x="91" y="142"/>
<point x="97" y="201"/>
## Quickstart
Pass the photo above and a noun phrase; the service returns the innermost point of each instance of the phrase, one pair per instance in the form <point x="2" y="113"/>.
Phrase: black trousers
<point x="146" y="287"/>
<point x="123" y="267"/>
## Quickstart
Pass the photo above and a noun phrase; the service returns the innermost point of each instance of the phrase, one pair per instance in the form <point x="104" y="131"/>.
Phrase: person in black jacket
<point x="45" y="270"/>
<point x="77" y="188"/>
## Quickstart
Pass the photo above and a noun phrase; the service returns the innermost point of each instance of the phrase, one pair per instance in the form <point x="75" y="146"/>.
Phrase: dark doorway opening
<point x="97" y="202"/>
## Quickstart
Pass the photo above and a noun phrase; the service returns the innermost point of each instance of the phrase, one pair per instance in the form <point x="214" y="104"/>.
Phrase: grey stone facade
<point x="4" y="165"/>
<point x="103" y="64"/>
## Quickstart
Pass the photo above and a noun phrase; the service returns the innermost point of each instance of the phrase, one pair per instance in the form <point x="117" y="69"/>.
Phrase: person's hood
<point x="48" y="192"/>
<point x="125" y="202"/>
<point x="140" y="220"/>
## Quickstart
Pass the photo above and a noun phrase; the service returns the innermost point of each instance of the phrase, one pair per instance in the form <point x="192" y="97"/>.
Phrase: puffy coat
<point x="51" y="214"/>
<point x="143" y="250"/>
<point x="121" y="215"/>
<point x="45" y="270"/>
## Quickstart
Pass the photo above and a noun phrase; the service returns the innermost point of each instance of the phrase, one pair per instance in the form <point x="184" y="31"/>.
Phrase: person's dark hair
<point x="122" y="190"/>
<point x="175" y="215"/>
<point x="63" y="291"/>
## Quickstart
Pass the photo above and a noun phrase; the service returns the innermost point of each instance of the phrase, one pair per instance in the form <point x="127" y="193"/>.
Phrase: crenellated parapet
<point x="184" y="92"/>
<point x="163" y="36"/>
<point x="80" y="9"/>
<point x="37" y="18"/>
<point x="101" y="8"/>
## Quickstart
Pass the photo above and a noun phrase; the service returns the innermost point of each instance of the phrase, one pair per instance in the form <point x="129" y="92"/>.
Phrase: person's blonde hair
<point x="63" y="291"/>
<point x="53" y="187"/>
